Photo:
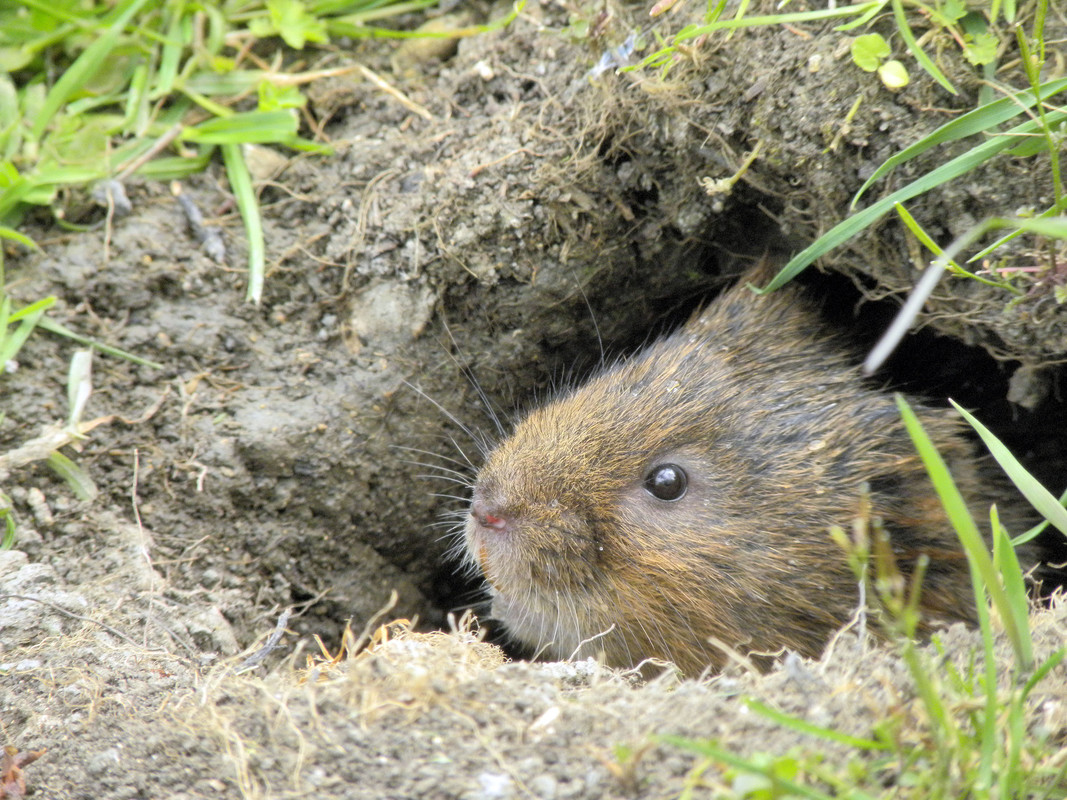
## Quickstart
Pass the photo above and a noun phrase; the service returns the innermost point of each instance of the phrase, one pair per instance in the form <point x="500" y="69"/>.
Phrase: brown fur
<point x="776" y="430"/>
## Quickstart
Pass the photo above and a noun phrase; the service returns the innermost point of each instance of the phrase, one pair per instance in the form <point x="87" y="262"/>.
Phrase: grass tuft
<point x="974" y="738"/>
<point x="158" y="88"/>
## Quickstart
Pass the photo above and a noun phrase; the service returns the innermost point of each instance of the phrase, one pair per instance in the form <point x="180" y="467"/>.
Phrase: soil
<point x="429" y="278"/>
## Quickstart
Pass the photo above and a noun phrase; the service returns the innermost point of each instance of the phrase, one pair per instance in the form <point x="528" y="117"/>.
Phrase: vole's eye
<point x="666" y="482"/>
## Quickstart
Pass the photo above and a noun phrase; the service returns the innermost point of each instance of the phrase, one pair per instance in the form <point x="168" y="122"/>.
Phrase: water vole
<point x="686" y="495"/>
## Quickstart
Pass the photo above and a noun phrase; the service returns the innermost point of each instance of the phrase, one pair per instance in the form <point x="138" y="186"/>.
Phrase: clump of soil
<point x="277" y="460"/>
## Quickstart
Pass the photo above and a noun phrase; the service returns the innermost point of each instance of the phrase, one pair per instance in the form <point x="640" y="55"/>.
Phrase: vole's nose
<point x="487" y="515"/>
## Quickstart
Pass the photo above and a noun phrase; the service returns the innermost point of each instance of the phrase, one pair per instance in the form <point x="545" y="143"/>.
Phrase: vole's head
<point x="606" y="517"/>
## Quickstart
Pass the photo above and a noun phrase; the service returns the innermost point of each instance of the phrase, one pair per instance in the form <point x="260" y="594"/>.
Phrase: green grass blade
<point x="985" y="118"/>
<point x="175" y="167"/>
<point x="41" y="305"/>
<point x="354" y="24"/>
<point x="860" y="10"/>
<point x="803" y="726"/>
<point x="13" y="342"/>
<point x="171" y="52"/>
<point x="1051" y="227"/>
<point x="927" y="241"/>
<point x="245" y="195"/>
<point x="920" y="233"/>
<point x="7" y="516"/>
<point x="59" y="175"/>
<point x="15" y="236"/>
<point x="1003" y="240"/>
<point x="1046" y="667"/>
<point x="85" y="66"/>
<point x="252" y="127"/>
<point x="714" y="10"/>
<point x="12" y="193"/>
<point x="39" y="188"/>
<point x="1016" y="726"/>
<point x="942" y="726"/>
<point x="853" y="225"/>
<point x="7" y="541"/>
<point x="863" y="18"/>
<point x="913" y="46"/>
<point x="710" y="751"/>
<point x="1040" y="498"/>
<point x="1036" y="531"/>
<point x="52" y="326"/>
<point x="10" y="138"/>
<point x="780" y="19"/>
<point x="5" y="315"/>
<point x="960" y="517"/>
<point x="368" y="11"/>
<point x="987" y="730"/>
<point x="235" y="82"/>
<point x="136" y="103"/>
<point x="1007" y="564"/>
<point x="76" y="478"/>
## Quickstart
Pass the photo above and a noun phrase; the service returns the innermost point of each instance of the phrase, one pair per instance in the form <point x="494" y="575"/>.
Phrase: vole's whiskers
<point x="440" y="471"/>
<point x="592" y="317"/>
<point x="462" y="465"/>
<point x="494" y="416"/>
<point x="449" y="526"/>
<point x="474" y="435"/>
<point x="443" y="496"/>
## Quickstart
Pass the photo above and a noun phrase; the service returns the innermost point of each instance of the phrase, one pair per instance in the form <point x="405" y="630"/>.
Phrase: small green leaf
<point x="261" y="28"/>
<point x="869" y="50"/>
<point x="954" y="9"/>
<point x="273" y="98"/>
<point x="893" y="74"/>
<point x="290" y="20"/>
<point x="980" y="49"/>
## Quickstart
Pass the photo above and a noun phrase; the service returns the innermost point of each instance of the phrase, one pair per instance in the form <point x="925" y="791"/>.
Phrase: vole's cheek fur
<point x="776" y="433"/>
